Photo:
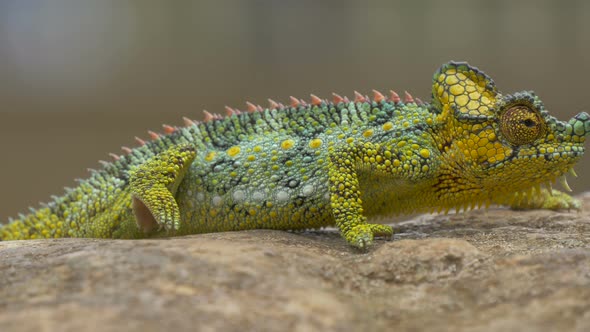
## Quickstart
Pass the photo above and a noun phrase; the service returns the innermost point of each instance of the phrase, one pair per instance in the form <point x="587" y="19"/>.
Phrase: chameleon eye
<point x="521" y="125"/>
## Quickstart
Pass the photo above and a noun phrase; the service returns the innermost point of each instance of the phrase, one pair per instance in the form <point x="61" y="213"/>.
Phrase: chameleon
<point x="341" y="162"/>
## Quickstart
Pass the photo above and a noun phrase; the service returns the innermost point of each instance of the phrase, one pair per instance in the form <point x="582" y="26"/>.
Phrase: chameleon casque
<point x="322" y="163"/>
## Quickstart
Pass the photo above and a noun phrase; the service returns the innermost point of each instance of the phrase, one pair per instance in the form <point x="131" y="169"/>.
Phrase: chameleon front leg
<point x="153" y="185"/>
<point x="345" y="200"/>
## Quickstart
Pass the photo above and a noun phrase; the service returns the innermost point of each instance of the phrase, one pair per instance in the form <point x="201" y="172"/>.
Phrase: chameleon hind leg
<point x="153" y="185"/>
<point x="346" y="204"/>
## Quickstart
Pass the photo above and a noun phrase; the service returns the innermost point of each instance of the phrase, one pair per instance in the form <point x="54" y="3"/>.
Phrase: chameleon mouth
<point x="560" y="174"/>
<point x="572" y="156"/>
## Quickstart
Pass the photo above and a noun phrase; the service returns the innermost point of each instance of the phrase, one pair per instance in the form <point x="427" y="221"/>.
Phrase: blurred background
<point x="80" y="78"/>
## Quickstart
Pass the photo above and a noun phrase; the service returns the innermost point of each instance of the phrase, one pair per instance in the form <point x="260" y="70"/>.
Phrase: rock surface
<point x="495" y="270"/>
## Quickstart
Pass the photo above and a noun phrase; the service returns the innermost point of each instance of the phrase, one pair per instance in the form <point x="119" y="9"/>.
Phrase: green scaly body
<point x="327" y="163"/>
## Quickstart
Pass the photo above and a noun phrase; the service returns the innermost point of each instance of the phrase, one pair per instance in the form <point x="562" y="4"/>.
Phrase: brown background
<point x="78" y="79"/>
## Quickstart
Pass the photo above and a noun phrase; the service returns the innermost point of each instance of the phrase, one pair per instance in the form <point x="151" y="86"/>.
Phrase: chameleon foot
<point x="153" y="185"/>
<point x="556" y="200"/>
<point x="361" y="236"/>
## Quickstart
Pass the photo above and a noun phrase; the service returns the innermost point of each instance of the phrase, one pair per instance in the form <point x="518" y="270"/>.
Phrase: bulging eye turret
<point x="520" y="124"/>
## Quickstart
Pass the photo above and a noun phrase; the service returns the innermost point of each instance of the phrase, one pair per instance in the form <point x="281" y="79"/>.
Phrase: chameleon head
<point x="501" y="143"/>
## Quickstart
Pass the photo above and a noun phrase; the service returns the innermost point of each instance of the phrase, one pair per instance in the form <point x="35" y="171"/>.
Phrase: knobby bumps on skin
<point x="341" y="162"/>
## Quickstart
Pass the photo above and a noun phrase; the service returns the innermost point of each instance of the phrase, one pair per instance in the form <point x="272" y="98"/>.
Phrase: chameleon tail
<point x="41" y="223"/>
<point x="107" y="206"/>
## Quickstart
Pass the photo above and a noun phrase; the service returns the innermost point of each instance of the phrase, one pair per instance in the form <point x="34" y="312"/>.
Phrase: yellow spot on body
<point x="349" y="140"/>
<point x="425" y="153"/>
<point x="315" y="143"/>
<point x="233" y="151"/>
<point x="387" y="126"/>
<point x="210" y="156"/>
<point x="368" y="133"/>
<point x="287" y="144"/>
<point x="251" y="158"/>
<point x="257" y="148"/>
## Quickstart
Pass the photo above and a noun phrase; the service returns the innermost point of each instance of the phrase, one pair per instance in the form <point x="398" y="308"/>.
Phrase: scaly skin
<point x="327" y="163"/>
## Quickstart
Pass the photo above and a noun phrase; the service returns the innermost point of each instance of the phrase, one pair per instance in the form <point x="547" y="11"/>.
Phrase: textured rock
<point x="496" y="270"/>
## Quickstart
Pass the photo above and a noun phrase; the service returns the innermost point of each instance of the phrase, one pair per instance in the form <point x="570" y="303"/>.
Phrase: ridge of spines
<point x="294" y="105"/>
